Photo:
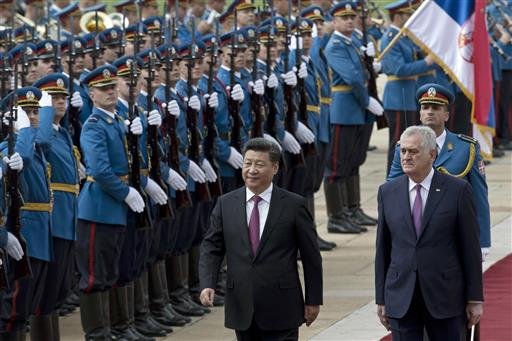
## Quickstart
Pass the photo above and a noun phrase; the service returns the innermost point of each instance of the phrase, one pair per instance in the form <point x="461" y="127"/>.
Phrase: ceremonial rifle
<point x="234" y="106"/>
<point x="75" y="125"/>
<point x="256" y="100"/>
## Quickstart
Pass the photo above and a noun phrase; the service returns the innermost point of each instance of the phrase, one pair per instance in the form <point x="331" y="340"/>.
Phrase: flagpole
<point x="390" y="45"/>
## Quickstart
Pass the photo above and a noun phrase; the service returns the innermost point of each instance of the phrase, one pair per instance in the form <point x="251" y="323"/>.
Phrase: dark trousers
<point x="398" y="121"/>
<point x="254" y="333"/>
<point x="504" y="108"/>
<point x="417" y="319"/>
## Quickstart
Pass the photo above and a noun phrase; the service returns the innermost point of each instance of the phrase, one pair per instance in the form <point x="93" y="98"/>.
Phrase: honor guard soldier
<point x="457" y="154"/>
<point x="402" y="68"/>
<point x="350" y="107"/>
<point x="110" y="40"/>
<point x="104" y="201"/>
<point x="26" y="290"/>
<point x="64" y="159"/>
<point x="127" y="8"/>
<point x="69" y="17"/>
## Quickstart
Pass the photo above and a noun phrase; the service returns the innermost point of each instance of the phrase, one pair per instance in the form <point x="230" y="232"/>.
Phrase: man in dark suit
<point x="428" y="271"/>
<point x="261" y="228"/>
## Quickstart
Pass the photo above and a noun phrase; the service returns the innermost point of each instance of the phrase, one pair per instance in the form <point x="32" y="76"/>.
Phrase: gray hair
<point x="428" y="136"/>
<point x="259" y="144"/>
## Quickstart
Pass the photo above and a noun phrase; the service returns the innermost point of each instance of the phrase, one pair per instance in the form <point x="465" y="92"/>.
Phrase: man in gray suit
<point x="261" y="228"/>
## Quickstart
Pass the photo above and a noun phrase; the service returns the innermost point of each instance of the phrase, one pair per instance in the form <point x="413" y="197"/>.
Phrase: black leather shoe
<point x="361" y="218"/>
<point x="496" y="152"/>
<point x="176" y="315"/>
<point x="73" y="299"/>
<point x="184" y="307"/>
<point x="199" y="305"/>
<point x="332" y="244"/>
<point x="323" y="246"/>
<point x="140" y="336"/>
<point x="129" y="334"/>
<point x="164" y="317"/>
<point x="146" y="328"/>
<point x="342" y="226"/>
<point x="168" y="329"/>
<point x="505" y="146"/>
<point x="218" y="301"/>
<point x="372" y="148"/>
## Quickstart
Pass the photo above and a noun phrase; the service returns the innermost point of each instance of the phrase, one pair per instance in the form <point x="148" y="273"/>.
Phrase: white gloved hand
<point x="290" y="78"/>
<point x="374" y="107"/>
<point x="176" y="181"/>
<point x="134" y="200"/>
<point x="15" y="162"/>
<point x="154" y="118"/>
<point x="11" y="83"/>
<point x="81" y="171"/>
<point x="237" y="93"/>
<point x="208" y="171"/>
<point x="235" y="159"/>
<point x="290" y="144"/>
<point x="194" y="103"/>
<point x="272" y="139"/>
<point x="272" y="81"/>
<point x="213" y="100"/>
<point x="258" y="87"/>
<point x="195" y="172"/>
<point x="173" y="108"/>
<point x="155" y="192"/>
<point x="22" y="121"/>
<point x="485" y="252"/>
<point x="369" y="49"/>
<point x="377" y="66"/>
<point x="303" y="71"/>
<point x="135" y="126"/>
<point x="76" y="100"/>
<point x="303" y="134"/>
<point x="13" y="247"/>
<point x="46" y="99"/>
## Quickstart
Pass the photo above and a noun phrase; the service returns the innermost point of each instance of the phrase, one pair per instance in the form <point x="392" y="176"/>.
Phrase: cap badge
<point x="431" y="92"/>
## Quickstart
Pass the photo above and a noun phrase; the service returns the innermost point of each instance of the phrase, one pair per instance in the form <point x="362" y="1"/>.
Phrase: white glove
<point x="290" y="144"/>
<point x="13" y="247"/>
<point x="258" y="87"/>
<point x="375" y="107"/>
<point x="15" y="162"/>
<point x="369" y="49"/>
<point x="272" y="81"/>
<point x="11" y="83"/>
<point x="46" y="99"/>
<point x="173" y="108"/>
<point x="303" y="134"/>
<point x="81" y="171"/>
<point x="290" y="78"/>
<point x="235" y="159"/>
<point x="22" y="121"/>
<point x="485" y="252"/>
<point x="135" y="126"/>
<point x="134" y="200"/>
<point x="76" y="100"/>
<point x="195" y="172"/>
<point x="377" y="66"/>
<point x="208" y="171"/>
<point x="154" y="118"/>
<point x="303" y="71"/>
<point x="176" y="181"/>
<point x="272" y="139"/>
<point x="155" y="192"/>
<point x="237" y="93"/>
<point x="194" y="103"/>
<point x="213" y="100"/>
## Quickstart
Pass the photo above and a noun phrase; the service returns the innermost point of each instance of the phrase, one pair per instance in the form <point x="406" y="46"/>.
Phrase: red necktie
<point x="254" y="225"/>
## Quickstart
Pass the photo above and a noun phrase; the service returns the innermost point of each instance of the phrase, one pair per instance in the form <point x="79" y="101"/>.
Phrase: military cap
<point x="305" y="26"/>
<point x="147" y="54"/>
<point x="184" y="50"/>
<point x="154" y="24"/>
<point x="237" y="37"/>
<point x="148" y="2"/>
<point x="90" y="42"/>
<point x="250" y="34"/>
<point x="24" y="33"/>
<point x="95" y="8"/>
<point x="208" y="41"/>
<point x="279" y="23"/>
<point x="17" y="52"/>
<point x="125" y="5"/>
<point x="241" y="5"/>
<point x="224" y="16"/>
<point x="400" y="6"/>
<point x="54" y="84"/>
<point x="434" y="94"/>
<point x="28" y="96"/>
<point x="46" y="49"/>
<point x="415" y="4"/>
<point x="104" y="75"/>
<point x="134" y="29"/>
<point x="110" y="36"/>
<point x="167" y="51"/>
<point x="76" y="44"/>
<point x="343" y="8"/>
<point x="313" y="13"/>
<point x="73" y="9"/>
<point x="124" y="65"/>
<point x="265" y="32"/>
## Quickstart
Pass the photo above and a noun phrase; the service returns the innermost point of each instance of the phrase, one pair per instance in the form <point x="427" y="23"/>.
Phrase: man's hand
<point x="381" y="311"/>
<point x="207" y="296"/>
<point x="310" y="313"/>
<point x="474" y="312"/>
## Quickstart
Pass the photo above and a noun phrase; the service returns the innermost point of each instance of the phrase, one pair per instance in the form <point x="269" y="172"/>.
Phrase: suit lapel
<point x="274" y="212"/>
<point x="403" y="198"/>
<point x="435" y="194"/>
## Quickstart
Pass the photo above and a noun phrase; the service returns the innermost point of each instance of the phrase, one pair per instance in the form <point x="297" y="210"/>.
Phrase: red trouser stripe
<point x="92" y="236"/>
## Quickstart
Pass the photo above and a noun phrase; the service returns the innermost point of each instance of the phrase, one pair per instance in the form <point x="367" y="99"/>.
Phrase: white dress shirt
<point x="263" y="205"/>
<point x="440" y="141"/>
<point x="425" y="188"/>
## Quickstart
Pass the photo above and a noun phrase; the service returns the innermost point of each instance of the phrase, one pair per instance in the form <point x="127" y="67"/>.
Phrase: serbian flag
<point x="455" y="33"/>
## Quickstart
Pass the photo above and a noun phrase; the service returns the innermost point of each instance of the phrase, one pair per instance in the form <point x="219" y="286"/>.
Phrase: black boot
<point x="130" y="293"/>
<point x="178" y="319"/>
<point x="338" y="217"/>
<point x="143" y="321"/>
<point x="18" y="335"/>
<point x="95" y="322"/>
<point x="354" y="203"/>
<point x="120" y="315"/>
<point x="41" y="327"/>
<point x="55" y="326"/>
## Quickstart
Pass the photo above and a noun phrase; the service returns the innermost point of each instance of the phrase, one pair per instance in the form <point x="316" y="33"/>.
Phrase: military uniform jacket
<point x="460" y="157"/>
<point x="60" y="153"/>
<point x="349" y="92"/>
<point x="324" y="82"/>
<point x="103" y="142"/>
<point x="86" y="110"/>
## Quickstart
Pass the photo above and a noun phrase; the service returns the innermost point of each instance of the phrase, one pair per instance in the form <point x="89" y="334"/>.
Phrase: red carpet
<point x="496" y="324"/>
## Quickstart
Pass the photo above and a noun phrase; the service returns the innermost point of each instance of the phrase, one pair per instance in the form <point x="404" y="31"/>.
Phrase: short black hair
<point x="259" y="144"/>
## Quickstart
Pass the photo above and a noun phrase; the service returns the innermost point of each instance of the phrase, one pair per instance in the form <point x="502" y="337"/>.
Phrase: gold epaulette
<point x="467" y="138"/>
<point x="471" y="159"/>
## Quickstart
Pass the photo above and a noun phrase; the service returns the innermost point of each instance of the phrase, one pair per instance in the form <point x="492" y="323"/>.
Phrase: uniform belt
<point x="396" y="78"/>
<point x="37" y="206"/>
<point x="313" y="108"/>
<point x="341" y="88"/>
<point x="429" y="73"/>
<point x="69" y="188"/>
<point x="144" y="171"/>
<point x="325" y="100"/>
<point x="123" y="178"/>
